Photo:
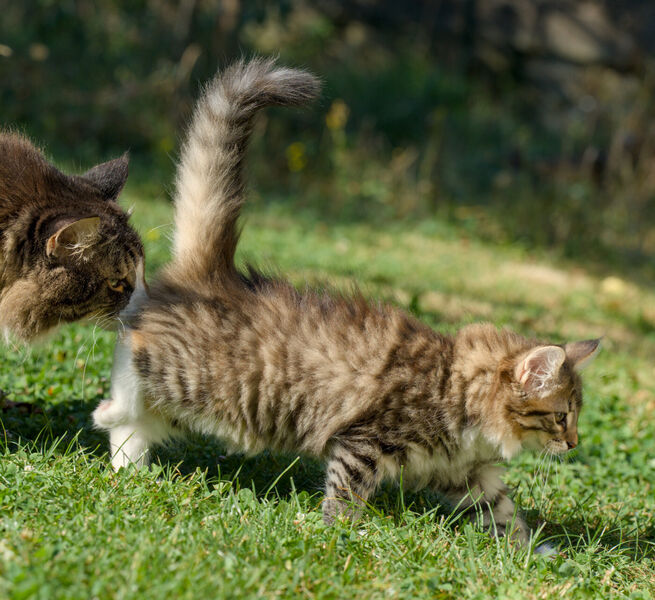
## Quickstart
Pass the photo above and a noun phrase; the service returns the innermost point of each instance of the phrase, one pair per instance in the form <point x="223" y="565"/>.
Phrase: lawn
<point x="200" y="524"/>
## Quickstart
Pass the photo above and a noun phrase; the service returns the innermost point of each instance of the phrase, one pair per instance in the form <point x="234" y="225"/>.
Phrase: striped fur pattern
<point x="363" y="386"/>
<point x="66" y="248"/>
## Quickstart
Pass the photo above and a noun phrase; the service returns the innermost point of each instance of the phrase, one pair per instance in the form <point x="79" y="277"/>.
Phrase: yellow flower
<point x="153" y="235"/>
<point x="337" y="115"/>
<point x="296" y="158"/>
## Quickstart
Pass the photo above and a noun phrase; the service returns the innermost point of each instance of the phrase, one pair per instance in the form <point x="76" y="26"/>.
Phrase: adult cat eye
<point x="116" y="285"/>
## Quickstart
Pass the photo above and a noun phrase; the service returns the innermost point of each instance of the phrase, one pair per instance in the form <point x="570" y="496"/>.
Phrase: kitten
<point x="66" y="249"/>
<point x="363" y="386"/>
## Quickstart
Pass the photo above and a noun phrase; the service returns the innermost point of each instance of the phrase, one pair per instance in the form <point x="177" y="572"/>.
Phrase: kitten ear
<point x="73" y="238"/>
<point x="109" y="177"/>
<point x="582" y="353"/>
<point x="539" y="367"/>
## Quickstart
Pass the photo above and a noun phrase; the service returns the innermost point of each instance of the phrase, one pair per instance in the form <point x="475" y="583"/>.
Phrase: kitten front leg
<point x="128" y="440"/>
<point x="485" y="492"/>
<point x="128" y="445"/>
<point x="132" y="429"/>
<point x="351" y="478"/>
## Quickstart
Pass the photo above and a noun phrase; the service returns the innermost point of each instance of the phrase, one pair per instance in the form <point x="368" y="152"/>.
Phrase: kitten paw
<point x="103" y="406"/>
<point x="107" y="415"/>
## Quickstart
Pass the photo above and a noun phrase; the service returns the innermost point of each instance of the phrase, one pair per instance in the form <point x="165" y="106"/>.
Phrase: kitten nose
<point x="572" y="442"/>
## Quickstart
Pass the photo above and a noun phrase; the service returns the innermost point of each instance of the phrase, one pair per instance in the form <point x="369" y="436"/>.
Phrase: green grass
<point x="203" y="525"/>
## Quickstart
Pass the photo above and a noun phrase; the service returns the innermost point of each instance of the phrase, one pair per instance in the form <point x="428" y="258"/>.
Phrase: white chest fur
<point x="422" y="468"/>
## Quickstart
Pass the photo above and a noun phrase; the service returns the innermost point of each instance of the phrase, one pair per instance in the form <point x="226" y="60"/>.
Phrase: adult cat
<point x="66" y="248"/>
<point x="365" y="387"/>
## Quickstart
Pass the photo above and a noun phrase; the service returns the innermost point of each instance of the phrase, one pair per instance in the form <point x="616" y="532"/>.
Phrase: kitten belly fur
<point x="422" y="468"/>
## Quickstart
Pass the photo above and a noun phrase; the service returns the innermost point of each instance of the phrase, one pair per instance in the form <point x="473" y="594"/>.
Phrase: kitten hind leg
<point x="486" y="494"/>
<point x="351" y="477"/>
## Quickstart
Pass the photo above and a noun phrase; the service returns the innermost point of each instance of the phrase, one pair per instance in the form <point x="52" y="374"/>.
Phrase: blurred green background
<point x="526" y="121"/>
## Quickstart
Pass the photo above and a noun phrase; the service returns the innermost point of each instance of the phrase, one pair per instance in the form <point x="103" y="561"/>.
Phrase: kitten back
<point x="210" y="187"/>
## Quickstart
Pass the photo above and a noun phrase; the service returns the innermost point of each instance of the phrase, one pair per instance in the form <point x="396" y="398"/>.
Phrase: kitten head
<point x="546" y="395"/>
<point x="68" y="249"/>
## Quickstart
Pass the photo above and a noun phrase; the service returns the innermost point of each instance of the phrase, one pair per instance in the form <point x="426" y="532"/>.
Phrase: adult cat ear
<point x="109" y="177"/>
<point x="582" y="353"/>
<point x="539" y="367"/>
<point x="73" y="238"/>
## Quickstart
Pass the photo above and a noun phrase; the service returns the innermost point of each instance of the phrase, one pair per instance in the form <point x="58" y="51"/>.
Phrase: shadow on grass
<point x="40" y="424"/>
<point x="263" y="473"/>
<point x="579" y="534"/>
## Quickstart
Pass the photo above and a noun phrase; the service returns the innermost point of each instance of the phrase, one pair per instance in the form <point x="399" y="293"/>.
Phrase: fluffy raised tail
<point x="210" y="182"/>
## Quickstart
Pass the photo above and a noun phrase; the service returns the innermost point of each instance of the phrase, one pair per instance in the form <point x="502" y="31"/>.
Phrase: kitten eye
<point x="560" y="417"/>
<point x="116" y="285"/>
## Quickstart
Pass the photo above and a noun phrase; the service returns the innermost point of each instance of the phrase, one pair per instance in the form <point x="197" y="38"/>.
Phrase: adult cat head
<point x="66" y="248"/>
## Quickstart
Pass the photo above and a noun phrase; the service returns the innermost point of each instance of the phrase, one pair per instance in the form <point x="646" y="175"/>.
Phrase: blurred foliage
<point x="412" y="122"/>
